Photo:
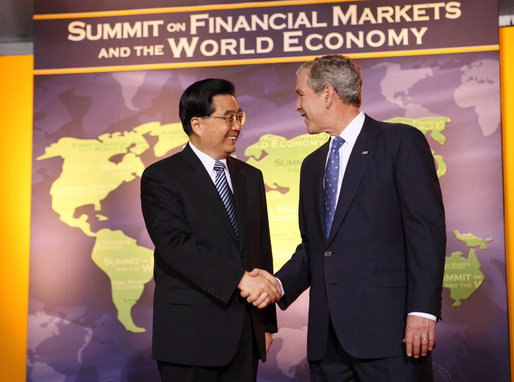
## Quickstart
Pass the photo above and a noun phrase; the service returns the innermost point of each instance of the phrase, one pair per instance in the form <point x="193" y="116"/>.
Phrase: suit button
<point x="328" y="253"/>
<point x="243" y="254"/>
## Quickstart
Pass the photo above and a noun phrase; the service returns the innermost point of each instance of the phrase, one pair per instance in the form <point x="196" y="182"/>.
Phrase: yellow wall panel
<point x="507" y="99"/>
<point x="16" y="86"/>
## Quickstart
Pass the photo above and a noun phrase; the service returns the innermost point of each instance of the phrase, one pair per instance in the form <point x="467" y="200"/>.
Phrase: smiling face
<point x="310" y="104"/>
<point x="212" y="135"/>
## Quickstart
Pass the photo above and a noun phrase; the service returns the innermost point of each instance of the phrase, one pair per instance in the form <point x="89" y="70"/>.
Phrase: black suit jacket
<point x="198" y="313"/>
<point x="386" y="251"/>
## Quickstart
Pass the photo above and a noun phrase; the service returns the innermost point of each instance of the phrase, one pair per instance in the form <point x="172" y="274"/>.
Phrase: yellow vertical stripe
<point x="507" y="102"/>
<point x="15" y="158"/>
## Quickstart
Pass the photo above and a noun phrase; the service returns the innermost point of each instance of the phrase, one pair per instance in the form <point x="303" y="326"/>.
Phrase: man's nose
<point x="297" y="105"/>
<point x="237" y="126"/>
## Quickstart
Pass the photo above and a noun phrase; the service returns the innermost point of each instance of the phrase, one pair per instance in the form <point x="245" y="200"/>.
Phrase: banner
<point x="260" y="32"/>
<point x="107" y="86"/>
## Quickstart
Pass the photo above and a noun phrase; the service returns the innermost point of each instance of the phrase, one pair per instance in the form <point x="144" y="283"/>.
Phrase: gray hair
<point x="340" y="72"/>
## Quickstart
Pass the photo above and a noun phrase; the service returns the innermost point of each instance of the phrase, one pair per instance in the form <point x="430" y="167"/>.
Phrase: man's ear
<point x="196" y="125"/>
<point x="328" y="95"/>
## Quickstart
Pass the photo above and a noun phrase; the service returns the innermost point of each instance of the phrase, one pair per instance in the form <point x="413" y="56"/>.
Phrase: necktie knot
<point x="218" y="166"/>
<point x="337" y="143"/>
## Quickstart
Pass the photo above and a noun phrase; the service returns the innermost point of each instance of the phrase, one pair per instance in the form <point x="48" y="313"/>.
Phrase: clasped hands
<point x="260" y="288"/>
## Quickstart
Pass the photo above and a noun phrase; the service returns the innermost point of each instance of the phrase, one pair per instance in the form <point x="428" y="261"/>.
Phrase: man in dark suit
<point x="373" y="237"/>
<point x="206" y="215"/>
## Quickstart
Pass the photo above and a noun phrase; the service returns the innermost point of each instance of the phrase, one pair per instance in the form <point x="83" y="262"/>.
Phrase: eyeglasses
<point x="231" y="119"/>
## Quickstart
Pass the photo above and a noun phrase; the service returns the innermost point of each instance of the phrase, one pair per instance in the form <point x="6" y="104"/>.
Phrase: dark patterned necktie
<point x="330" y="183"/>
<point x="226" y="194"/>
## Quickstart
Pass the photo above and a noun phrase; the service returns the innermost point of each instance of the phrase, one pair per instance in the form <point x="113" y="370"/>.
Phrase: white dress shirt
<point x="208" y="163"/>
<point x="349" y="134"/>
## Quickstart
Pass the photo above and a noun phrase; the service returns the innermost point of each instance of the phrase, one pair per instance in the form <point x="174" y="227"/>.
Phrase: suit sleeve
<point x="295" y="274"/>
<point x="175" y="244"/>
<point x="423" y="220"/>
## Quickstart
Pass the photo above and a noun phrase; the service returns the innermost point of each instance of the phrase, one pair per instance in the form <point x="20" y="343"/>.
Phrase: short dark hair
<point x="196" y="101"/>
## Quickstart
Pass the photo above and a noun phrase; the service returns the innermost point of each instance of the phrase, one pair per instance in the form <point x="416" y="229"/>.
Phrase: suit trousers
<point x="242" y="368"/>
<point x="339" y="366"/>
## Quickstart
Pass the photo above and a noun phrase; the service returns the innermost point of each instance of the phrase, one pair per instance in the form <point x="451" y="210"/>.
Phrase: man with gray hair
<point x="373" y="236"/>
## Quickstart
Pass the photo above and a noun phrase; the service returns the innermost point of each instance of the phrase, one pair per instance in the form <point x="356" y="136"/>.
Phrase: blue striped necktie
<point x="226" y="194"/>
<point x="331" y="182"/>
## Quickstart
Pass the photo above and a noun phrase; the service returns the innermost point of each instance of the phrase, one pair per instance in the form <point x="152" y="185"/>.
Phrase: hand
<point x="259" y="300"/>
<point x="269" y="340"/>
<point x="419" y="336"/>
<point x="259" y="289"/>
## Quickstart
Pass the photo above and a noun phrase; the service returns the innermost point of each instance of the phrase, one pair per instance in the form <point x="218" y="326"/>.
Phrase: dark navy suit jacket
<point x="386" y="250"/>
<point x="198" y="313"/>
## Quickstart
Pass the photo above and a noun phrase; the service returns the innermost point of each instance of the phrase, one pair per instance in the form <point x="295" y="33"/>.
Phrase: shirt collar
<point x="353" y="129"/>
<point x="207" y="161"/>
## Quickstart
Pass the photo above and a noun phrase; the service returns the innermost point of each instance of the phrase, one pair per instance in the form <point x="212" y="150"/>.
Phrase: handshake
<point x="260" y="288"/>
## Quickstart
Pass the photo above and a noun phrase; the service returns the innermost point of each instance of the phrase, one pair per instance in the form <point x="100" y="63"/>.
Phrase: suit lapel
<point x="362" y="151"/>
<point x="239" y="185"/>
<point x="318" y="175"/>
<point x="203" y="182"/>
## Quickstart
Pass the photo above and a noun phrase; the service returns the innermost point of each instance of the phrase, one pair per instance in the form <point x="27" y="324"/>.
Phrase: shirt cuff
<point x="426" y="315"/>
<point x="281" y="287"/>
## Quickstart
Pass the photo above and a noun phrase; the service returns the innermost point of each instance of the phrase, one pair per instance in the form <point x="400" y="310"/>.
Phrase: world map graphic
<point x="88" y="185"/>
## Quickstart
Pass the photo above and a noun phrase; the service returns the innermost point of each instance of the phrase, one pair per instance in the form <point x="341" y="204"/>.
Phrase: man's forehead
<point x="302" y="85"/>
<point x="225" y="103"/>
